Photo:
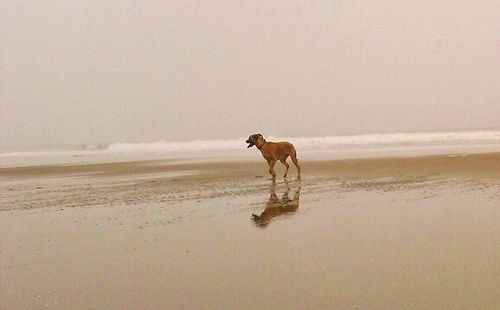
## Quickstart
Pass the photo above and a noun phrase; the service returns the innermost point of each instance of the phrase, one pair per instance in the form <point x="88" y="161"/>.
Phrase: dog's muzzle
<point x="250" y="143"/>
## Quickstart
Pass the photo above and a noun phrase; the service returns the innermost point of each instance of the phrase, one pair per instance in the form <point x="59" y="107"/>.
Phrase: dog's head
<point x="252" y="140"/>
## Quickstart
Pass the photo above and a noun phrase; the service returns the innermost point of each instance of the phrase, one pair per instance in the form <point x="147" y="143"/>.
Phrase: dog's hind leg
<point x="295" y="161"/>
<point x="283" y="161"/>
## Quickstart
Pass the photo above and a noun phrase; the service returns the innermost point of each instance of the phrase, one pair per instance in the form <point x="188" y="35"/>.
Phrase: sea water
<point x="310" y="148"/>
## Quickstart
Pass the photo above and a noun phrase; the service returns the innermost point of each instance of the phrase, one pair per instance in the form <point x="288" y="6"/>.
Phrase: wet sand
<point x="407" y="233"/>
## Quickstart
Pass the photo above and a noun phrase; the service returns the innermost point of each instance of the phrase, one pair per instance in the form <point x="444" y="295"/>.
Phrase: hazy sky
<point x="96" y="71"/>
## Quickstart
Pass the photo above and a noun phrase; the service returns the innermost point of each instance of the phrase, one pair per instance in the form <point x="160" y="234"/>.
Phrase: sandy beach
<point x="401" y="233"/>
<point x="136" y="138"/>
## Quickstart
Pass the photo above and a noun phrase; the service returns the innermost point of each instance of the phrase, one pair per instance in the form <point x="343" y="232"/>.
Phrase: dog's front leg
<point x="271" y="168"/>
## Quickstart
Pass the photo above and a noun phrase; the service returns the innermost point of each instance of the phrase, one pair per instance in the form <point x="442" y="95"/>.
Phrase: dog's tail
<point x="293" y="156"/>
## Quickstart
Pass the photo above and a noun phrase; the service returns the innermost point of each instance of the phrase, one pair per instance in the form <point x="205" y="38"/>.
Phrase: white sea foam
<point x="314" y="142"/>
<point x="162" y="146"/>
<point x="305" y="143"/>
<point x="339" y="144"/>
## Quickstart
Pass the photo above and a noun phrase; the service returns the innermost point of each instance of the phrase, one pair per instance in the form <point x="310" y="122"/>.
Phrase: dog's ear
<point x="260" y="135"/>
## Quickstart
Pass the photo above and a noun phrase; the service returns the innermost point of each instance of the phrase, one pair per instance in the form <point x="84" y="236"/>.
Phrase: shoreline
<point x="145" y="166"/>
<point x="164" y="181"/>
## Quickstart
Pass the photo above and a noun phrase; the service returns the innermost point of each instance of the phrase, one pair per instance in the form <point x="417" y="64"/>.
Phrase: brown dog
<point x="274" y="151"/>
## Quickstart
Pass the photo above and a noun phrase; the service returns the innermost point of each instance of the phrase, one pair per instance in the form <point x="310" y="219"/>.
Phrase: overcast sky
<point x="130" y="71"/>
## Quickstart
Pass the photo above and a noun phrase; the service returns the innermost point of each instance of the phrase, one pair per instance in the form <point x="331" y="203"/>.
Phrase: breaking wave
<point x="317" y="142"/>
<point x="302" y="143"/>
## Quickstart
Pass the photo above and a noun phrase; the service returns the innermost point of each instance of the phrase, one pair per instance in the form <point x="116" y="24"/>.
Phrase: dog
<point x="274" y="151"/>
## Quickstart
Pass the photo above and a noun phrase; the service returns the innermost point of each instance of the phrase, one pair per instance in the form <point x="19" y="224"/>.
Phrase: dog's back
<point x="281" y="149"/>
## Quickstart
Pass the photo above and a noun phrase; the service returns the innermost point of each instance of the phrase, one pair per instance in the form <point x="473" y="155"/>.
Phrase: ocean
<point x="310" y="148"/>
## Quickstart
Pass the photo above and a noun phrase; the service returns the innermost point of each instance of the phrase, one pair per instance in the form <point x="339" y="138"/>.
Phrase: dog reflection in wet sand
<point x="276" y="207"/>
